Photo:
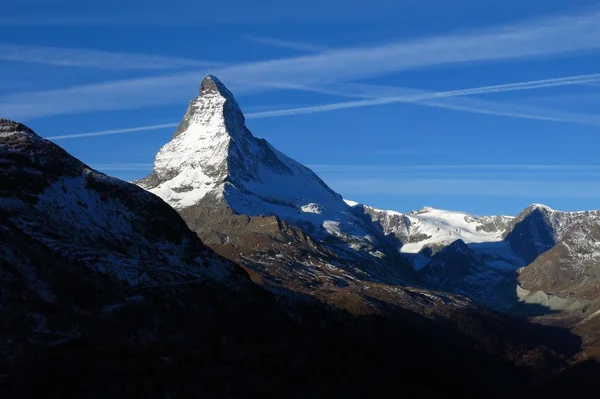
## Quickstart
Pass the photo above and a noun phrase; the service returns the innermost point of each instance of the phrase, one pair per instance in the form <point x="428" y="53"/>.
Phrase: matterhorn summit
<point x="214" y="171"/>
<point x="213" y="153"/>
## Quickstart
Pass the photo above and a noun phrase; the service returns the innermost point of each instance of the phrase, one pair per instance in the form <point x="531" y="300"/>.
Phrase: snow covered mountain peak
<point x="198" y="158"/>
<point x="221" y="179"/>
<point x="213" y="155"/>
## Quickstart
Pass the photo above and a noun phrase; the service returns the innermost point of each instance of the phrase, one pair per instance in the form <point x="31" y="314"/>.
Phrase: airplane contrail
<point x="520" y="86"/>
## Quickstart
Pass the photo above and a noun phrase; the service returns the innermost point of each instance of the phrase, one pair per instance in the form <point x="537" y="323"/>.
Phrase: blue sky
<point x="483" y="106"/>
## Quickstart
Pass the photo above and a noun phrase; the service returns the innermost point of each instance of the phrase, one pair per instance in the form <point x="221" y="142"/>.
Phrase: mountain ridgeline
<point x="231" y="270"/>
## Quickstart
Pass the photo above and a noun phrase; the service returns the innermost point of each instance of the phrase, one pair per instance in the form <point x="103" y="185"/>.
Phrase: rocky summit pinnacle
<point x="214" y="104"/>
<point x="214" y="154"/>
<point x="212" y="85"/>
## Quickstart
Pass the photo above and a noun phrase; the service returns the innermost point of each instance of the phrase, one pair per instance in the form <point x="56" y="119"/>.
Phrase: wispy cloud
<point x="292" y="45"/>
<point x="405" y="151"/>
<point x="544" y="37"/>
<point x="464" y="104"/>
<point x="468" y="187"/>
<point x="552" y="36"/>
<point x="178" y="13"/>
<point x="114" y="131"/>
<point x="536" y="84"/>
<point x="410" y="98"/>
<point x="379" y="168"/>
<point x="122" y="166"/>
<point x="77" y="57"/>
<point x="489" y="171"/>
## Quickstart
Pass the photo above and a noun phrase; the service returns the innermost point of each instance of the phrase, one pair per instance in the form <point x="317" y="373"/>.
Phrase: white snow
<point x="311" y="208"/>
<point x="181" y="163"/>
<point x="195" y="183"/>
<point x="444" y="227"/>
<point x="351" y="203"/>
<point x="542" y="206"/>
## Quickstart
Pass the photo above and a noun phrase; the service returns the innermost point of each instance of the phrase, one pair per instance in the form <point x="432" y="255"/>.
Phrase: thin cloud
<point x="536" y="84"/>
<point x="123" y="166"/>
<point x="405" y="151"/>
<point x="114" y="131"/>
<point x="178" y="13"/>
<point x="77" y="57"/>
<point x="463" y="104"/>
<point x="551" y="36"/>
<point x="292" y="45"/>
<point x="353" y="168"/>
<point x="468" y="187"/>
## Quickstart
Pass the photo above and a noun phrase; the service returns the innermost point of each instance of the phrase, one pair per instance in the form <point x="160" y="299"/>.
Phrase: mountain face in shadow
<point x="84" y="254"/>
<point x="107" y="293"/>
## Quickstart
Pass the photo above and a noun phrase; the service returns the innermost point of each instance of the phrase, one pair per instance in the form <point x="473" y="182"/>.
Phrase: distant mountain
<point x="455" y="251"/>
<point x="567" y="252"/>
<point x="538" y="228"/>
<point x="571" y="266"/>
<point x="420" y="234"/>
<point x="435" y="228"/>
<point x="541" y="262"/>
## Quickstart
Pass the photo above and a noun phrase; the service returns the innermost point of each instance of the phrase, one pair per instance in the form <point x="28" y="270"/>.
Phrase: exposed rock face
<point x="533" y="232"/>
<point x="538" y="228"/>
<point x="571" y="268"/>
<point x="454" y="251"/>
<point x="457" y="258"/>
<point x="460" y="269"/>
<point x="543" y="257"/>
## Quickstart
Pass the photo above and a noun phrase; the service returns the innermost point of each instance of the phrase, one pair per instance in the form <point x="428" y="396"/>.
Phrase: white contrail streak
<point x="535" y="84"/>
<point x="90" y="58"/>
<point x="553" y="36"/>
<point x="113" y="131"/>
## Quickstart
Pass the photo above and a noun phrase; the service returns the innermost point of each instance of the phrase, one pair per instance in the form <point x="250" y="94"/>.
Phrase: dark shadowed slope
<point x="81" y="249"/>
<point x="105" y="292"/>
